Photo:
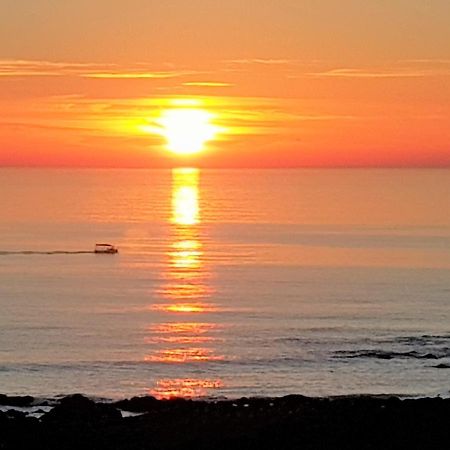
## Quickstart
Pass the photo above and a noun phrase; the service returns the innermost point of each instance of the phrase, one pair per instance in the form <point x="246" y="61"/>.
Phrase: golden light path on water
<point x="186" y="295"/>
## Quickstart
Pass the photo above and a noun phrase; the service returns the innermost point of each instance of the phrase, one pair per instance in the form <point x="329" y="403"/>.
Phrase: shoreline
<point x="293" y="421"/>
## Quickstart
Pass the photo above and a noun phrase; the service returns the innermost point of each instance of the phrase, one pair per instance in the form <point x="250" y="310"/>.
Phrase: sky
<point x="285" y="83"/>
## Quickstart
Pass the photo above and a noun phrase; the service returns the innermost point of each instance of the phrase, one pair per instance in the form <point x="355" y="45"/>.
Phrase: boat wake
<point x="53" y="252"/>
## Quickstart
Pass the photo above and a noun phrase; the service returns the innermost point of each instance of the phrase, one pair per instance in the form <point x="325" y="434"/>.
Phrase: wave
<point x="387" y="354"/>
<point x="442" y="366"/>
<point x="421" y="347"/>
<point x="424" y="340"/>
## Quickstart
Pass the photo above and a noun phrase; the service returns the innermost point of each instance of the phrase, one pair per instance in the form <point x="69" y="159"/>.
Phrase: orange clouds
<point x="273" y="113"/>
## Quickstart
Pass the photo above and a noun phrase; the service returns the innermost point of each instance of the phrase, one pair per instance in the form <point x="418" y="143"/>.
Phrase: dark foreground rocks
<point x="292" y="422"/>
<point x="15" y="400"/>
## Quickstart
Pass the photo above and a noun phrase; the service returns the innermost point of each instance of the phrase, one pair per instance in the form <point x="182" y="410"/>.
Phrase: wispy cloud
<point x="360" y="73"/>
<point x="24" y="68"/>
<point x="137" y="75"/>
<point x="27" y="125"/>
<point x="267" y="61"/>
<point x="208" y="84"/>
<point x="430" y="61"/>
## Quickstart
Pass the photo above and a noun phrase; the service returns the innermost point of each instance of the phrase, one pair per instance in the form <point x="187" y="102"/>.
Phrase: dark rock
<point x="288" y="423"/>
<point x="16" y="400"/>
<point x="295" y="399"/>
<point x="393" y="402"/>
<point x="429" y="356"/>
<point x="138" y="404"/>
<point x="44" y="403"/>
<point x="442" y="366"/>
<point x="14" y="414"/>
<point x="77" y="408"/>
<point x="3" y="418"/>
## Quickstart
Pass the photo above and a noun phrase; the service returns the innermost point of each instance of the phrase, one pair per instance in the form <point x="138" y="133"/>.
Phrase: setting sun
<point x="186" y="130"/>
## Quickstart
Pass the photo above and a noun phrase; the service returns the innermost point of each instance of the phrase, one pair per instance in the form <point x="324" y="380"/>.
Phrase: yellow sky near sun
<point x="281" y="83"/>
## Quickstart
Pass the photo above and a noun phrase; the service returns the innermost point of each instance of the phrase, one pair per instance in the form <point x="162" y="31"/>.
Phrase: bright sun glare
<point x="186" y="130"/>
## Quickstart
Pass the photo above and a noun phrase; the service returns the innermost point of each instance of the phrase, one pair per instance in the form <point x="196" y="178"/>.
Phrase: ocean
<point x="228" y="283"/>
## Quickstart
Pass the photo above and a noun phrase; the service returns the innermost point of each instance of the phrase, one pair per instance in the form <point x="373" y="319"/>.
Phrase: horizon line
<point x="193" y="166"/>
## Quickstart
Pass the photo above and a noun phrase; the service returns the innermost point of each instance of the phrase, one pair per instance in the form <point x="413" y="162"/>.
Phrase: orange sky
<point x="290" y="83"/>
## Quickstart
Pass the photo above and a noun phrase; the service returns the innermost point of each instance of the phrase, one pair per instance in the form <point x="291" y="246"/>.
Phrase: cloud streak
<point x="207" y="84"/>
<point x="24" y="68"/>
<point x="137" y="75"/>
<point x="360" y="73"/>
<point x="266" y="61"/>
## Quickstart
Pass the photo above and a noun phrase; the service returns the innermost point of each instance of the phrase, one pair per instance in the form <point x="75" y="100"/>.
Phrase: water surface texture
<point x="227" y="283"/>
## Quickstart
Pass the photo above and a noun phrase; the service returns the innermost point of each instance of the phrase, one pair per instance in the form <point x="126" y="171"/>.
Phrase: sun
<point x="186" y="130"/>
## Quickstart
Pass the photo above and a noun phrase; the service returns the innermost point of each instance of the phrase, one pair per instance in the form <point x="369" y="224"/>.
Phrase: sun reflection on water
<point x="187" y="275"/>
<point x="185" y="307"/>
<point x="184" y="355"/>
<point x="185" y="205"/>
<point x="185" y="327"/>
<point x="185" y="387"/>
<point x="187" y="291"/>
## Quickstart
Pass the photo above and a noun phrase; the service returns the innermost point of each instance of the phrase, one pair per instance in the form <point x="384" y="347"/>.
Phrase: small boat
<point x="105" y="248"/>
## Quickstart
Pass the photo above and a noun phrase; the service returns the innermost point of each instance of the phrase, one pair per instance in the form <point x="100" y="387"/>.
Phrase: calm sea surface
<point x="227" y="283"/>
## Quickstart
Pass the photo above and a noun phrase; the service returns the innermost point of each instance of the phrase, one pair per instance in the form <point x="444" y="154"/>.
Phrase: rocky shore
<point x="291" y="422"/>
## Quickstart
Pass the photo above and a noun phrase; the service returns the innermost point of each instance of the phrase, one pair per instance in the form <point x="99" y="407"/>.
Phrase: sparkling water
<point x="227" y="283"/>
